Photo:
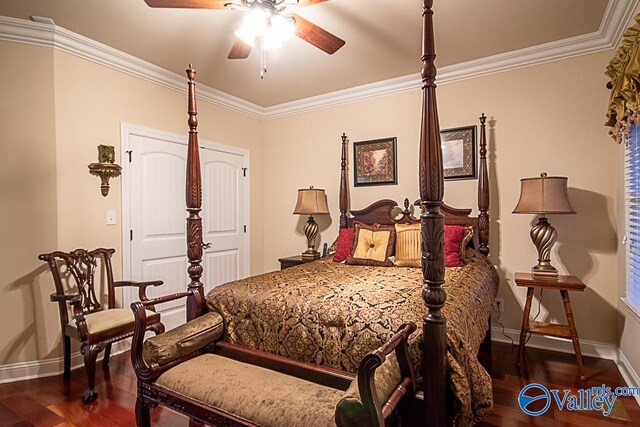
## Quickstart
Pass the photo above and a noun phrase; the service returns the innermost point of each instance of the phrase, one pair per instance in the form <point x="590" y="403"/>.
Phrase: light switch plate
<point x="111" y="217"/>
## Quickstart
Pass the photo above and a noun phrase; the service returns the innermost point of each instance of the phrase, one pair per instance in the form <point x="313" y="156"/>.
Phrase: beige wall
<point x="28" y="199"/>
<point x="56" y="109"/>
<point x="91" y="102"/>
<point x="543" y="118"/>
<point x="547" y="117"/>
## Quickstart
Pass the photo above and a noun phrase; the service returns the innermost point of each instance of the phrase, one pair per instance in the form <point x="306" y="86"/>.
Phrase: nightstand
<point x="564" y="284"/>
<point x="292" y="261"/>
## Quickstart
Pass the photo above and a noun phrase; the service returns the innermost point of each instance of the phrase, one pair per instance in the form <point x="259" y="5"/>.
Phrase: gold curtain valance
<point x="624" y="72"/>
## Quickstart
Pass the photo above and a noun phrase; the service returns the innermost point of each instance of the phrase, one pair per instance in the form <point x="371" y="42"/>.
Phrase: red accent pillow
<point x="343" y="247"/>
<point x="453" y="236"/>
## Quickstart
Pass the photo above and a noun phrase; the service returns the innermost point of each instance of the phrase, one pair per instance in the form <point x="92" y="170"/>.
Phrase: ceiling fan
<point x="268" y="21"/>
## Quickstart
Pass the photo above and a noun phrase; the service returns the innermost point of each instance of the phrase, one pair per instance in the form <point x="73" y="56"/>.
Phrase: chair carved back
<point x="81" y="265"/>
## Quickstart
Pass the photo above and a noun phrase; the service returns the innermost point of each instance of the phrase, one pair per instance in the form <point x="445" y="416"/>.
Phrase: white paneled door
<point x="155" y="189"/>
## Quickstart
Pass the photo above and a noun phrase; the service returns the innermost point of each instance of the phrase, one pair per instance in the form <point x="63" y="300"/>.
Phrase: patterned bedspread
<point x="333" y="314"/>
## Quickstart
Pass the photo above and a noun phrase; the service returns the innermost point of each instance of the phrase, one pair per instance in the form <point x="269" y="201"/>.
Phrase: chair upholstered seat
<point x="101" y="321"/>
<point x="265" y="397"/>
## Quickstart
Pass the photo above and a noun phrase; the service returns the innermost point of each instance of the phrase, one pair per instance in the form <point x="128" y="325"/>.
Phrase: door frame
<point x="126" y="131"/>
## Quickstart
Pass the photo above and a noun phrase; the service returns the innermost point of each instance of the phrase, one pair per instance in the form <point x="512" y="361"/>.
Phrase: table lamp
<point x="544" y="195"/>
<point x="311" y="201"/>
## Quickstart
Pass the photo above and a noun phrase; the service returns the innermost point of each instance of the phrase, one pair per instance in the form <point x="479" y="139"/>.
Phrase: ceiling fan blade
<point x="322" y="39"/>
<point x="239" y="50"/>
<point x="192" y="4"/>
<point x="310" y="2"/>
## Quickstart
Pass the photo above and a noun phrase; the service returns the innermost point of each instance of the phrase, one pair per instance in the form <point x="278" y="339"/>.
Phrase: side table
<point x="564" y="284"/>
<point x="292" y="261"/>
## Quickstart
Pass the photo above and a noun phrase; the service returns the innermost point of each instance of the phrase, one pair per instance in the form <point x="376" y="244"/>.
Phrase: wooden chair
<point x="94" y="326"/>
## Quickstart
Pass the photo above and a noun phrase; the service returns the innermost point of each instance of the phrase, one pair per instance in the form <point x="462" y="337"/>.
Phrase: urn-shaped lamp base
<point x="544" y="237"/>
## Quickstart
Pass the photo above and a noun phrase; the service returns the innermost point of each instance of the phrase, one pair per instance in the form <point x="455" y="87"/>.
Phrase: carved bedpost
<point x="194" y="198"/>
<point x="344" y="188"/>
<point x="434" y="347"/>
<point x="483" y="191"/>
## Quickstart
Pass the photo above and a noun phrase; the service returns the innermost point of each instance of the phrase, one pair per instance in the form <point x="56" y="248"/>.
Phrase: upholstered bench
<point x="190" y="370"/>
<point x="263" y="396"/>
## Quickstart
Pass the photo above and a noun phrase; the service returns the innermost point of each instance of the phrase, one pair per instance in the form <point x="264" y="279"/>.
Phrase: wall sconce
<point x="105" y="168"/>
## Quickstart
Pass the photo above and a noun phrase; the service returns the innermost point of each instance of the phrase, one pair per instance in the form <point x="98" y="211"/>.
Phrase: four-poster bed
<point x="444" y="352"/>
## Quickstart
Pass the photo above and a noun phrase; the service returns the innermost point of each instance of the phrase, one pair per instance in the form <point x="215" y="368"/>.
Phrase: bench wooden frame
<point x="378" y="413"/>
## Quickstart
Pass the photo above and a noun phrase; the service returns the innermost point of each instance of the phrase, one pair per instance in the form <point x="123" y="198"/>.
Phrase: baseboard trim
<point x="589" y="348"/>
<point x="629" y="374"/>
<point x="49" y="367"/>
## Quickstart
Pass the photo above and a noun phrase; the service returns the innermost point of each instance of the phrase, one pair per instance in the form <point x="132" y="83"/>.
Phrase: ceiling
<point x="383" y="38"/>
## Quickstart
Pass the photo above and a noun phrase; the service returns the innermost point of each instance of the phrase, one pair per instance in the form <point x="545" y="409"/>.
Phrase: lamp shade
<point x="311" y="201"/>
<point x="544" y="195"/>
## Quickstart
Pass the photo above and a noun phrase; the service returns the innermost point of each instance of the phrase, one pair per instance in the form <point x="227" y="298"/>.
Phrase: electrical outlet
<point x="498" y="305"/>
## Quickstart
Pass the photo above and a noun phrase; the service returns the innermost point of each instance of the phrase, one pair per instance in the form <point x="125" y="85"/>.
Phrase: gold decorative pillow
<point x="408" y="245"/>
<point x="409" y="241"/>
<point x="372" y="245"/>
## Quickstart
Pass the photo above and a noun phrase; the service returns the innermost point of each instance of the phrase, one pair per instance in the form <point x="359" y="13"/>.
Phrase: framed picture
<point x="459" y="152"/>
<point x="375" y="162"/>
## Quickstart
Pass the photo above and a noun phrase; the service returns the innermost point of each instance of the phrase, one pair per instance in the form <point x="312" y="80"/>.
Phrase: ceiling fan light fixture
<point x="281" y="28"/>
<point x="254" y="25"/>
<point x="274" y="29"/>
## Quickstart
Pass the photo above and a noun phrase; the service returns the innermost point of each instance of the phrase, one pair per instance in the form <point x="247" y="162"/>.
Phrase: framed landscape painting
<point x="459" y="152"/>
<point x="375" y="162"/>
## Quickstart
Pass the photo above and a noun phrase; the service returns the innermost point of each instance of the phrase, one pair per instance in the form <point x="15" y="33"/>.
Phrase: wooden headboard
<point x="388" y="212"/>
<point x="383" y="211"/>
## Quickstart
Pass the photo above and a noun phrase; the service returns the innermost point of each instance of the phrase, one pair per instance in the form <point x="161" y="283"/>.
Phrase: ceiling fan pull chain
<point x="263" y="59"/>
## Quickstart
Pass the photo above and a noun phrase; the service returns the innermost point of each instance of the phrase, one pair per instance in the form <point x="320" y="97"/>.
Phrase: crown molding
<point x="344" y="96"/>
<point x="613" y="24"/>
<point x="38" y="34"/>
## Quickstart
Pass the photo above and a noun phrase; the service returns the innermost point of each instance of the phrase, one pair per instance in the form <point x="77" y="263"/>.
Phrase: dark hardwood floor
<point x="555" y="371"/>
<point x="54" y="402"/>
